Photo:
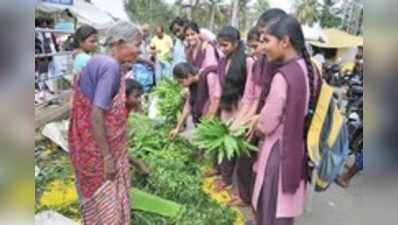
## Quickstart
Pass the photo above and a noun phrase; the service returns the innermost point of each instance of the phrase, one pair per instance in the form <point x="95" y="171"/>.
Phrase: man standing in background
<point x="160" y="50"/>
<point x="162" y="44"/>
<point x="177" y="28"/>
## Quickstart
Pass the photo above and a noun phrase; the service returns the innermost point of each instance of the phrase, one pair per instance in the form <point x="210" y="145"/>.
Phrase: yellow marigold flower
<point x="59" y="195"/>
<point x="240" y="218"/>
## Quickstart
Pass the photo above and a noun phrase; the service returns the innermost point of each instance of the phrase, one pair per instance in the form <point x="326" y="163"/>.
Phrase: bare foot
<point x="220" y="185"/>
<point x="342" y="182"/>
<point x="211" y="173"/>
<point x="236" y="202"/>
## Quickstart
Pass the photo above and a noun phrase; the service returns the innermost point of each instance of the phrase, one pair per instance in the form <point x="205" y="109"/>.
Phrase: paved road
<point x="336" y="206"/>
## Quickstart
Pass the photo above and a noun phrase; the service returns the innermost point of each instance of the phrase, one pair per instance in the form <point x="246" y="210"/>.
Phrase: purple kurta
<point x="272" y="126"/>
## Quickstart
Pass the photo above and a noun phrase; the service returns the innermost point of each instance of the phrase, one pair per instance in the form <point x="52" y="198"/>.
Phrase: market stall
<point x="84" y="12"/>
<point x="341" y="45"/>
<point x="55" y="22"/>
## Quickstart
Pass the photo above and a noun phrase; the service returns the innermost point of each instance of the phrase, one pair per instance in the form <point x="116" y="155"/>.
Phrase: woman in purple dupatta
<point x="280" y="168"/>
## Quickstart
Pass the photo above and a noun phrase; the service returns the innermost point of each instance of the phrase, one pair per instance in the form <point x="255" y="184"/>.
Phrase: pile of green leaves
<point x="174" y="174"/>
<point x="216" y="139"/>
<point x="169" y="98"/>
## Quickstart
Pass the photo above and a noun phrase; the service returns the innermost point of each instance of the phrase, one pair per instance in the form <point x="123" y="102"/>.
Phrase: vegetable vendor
<point x="98" y="130"/>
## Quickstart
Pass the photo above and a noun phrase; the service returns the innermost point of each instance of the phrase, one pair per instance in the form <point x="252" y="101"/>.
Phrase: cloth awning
<point x="338" y="39"/>
<point x="85" y="13"/>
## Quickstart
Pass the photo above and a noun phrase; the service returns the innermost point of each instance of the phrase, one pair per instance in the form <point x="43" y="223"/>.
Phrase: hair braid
<point x="311" y="77"/>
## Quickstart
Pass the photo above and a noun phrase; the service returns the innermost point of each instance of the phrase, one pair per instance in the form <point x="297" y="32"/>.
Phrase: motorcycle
<point x="355" y="125"/>
<point x="332" y="74"/>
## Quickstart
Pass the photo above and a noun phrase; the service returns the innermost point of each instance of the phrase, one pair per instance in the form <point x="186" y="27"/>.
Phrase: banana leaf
<point x="154" y="204"/>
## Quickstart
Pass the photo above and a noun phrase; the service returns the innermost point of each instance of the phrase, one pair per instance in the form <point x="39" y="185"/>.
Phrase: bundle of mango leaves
<point x="218" y="141"/>
<point x="175" y="175"/>
<point x="169" y="99"/>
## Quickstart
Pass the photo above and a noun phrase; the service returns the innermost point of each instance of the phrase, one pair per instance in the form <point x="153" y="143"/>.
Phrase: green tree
<point x="215" y="12"/>
<point x="330" y="18"/>
<point x="244" y="16"/>
<point x="260" y="7"/>
<point x="235" y="13"/>
<point x="211" y="14"/>
<point x="307" y="11"/>
<point x="153" y="12"/>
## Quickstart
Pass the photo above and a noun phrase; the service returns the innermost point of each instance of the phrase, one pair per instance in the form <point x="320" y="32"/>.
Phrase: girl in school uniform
<point x="280" y="168"/>
<point x="255" y="94"/>
<point x="198" y="52"/>
<point x="202" y="62"/>
<point x="254" y="44"/>
<point x="233" y="70"/>
<point x="204" y="93"/>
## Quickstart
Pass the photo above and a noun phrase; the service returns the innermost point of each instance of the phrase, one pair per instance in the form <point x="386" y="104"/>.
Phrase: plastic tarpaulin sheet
<point x="85" y="13"/>
<point x="314" y="33"/>
<point x="57" y="132"/>
<point x="338" y="39"/>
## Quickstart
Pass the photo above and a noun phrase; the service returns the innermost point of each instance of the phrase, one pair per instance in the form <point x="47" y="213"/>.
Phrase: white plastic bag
<point x="57" y="132"/>
<point x="52" y="218"/>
